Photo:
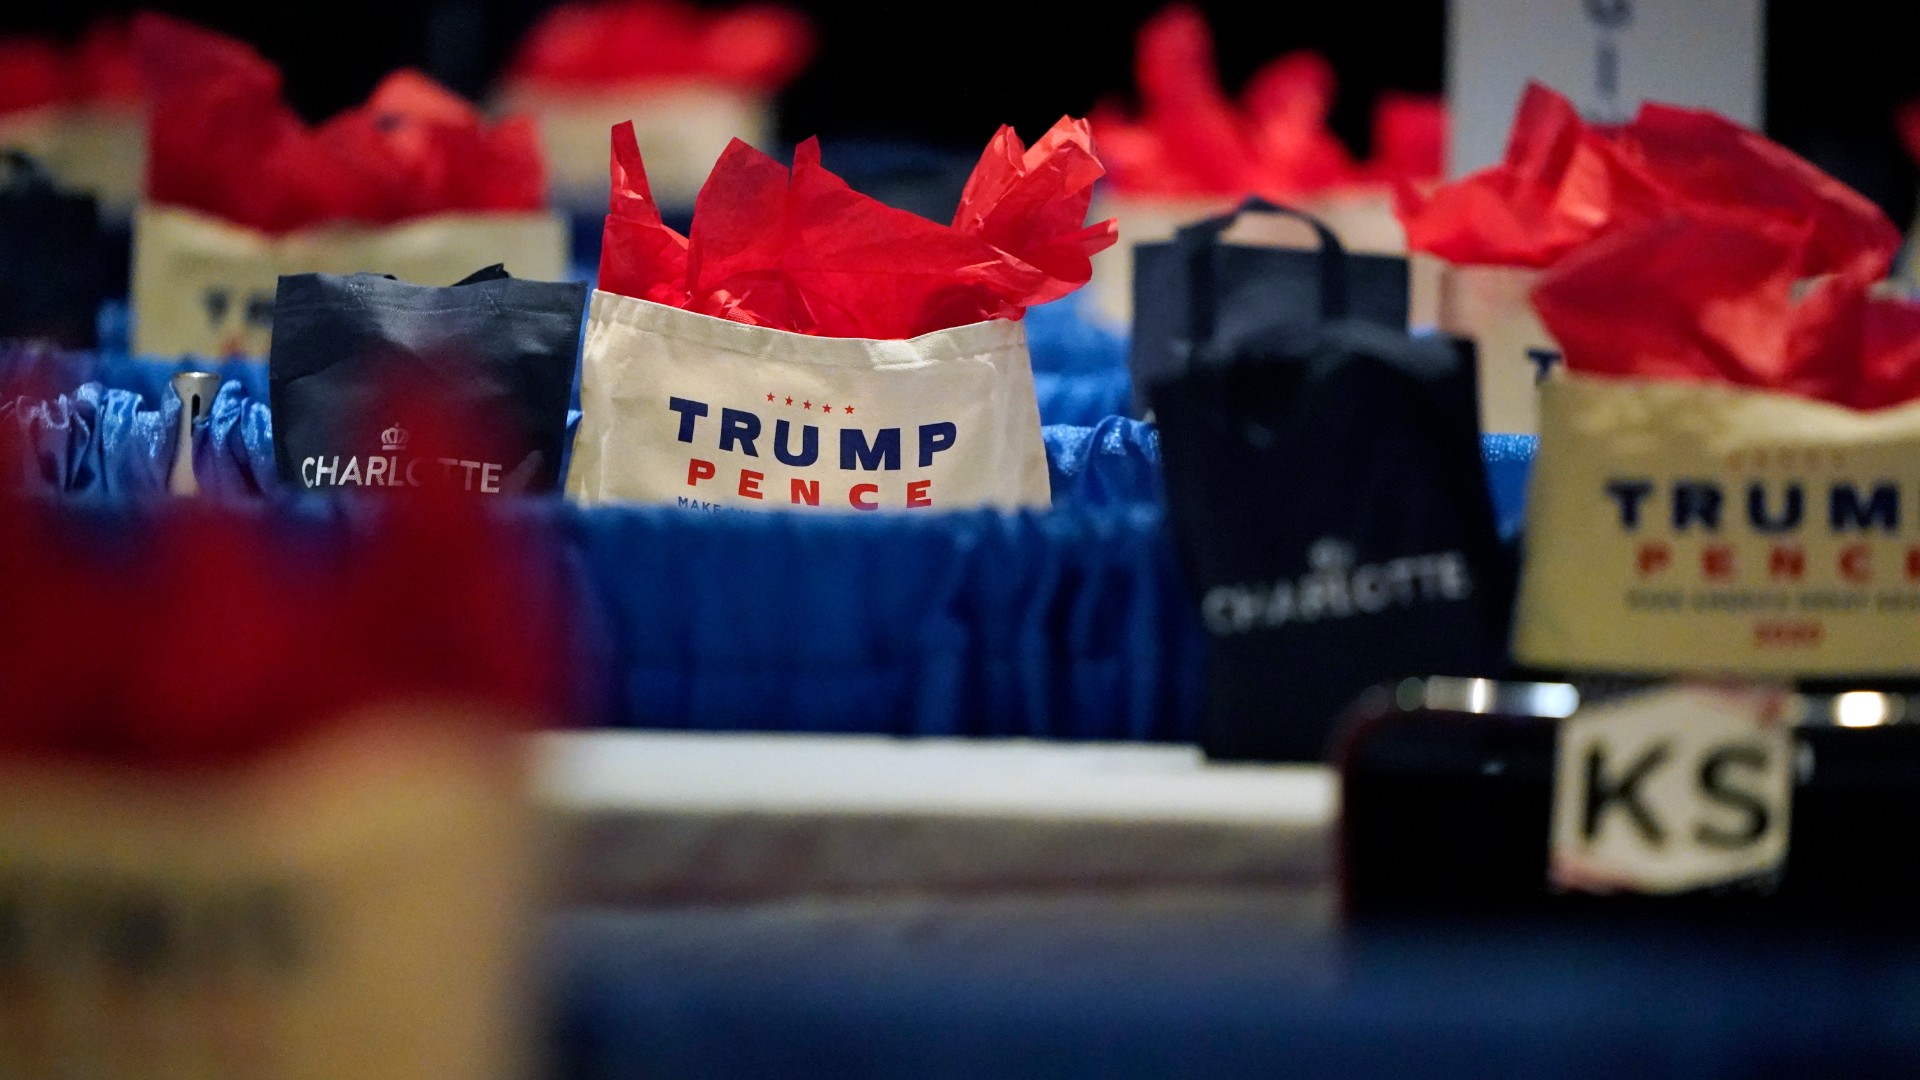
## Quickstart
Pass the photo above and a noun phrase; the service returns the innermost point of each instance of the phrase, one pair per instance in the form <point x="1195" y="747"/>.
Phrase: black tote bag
<point x="52" y="278"/>
<point x="351" y="353"/>
<point x="1329" y="502"/>
<point x="1195" y="279"/>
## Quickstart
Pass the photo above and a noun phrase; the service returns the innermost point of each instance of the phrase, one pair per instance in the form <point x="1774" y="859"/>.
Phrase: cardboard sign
<point x="355" y="908"/>
<point x="1679" y="789"/>
<point x="1608" y="56"/>
<point x="1687" y="527"/>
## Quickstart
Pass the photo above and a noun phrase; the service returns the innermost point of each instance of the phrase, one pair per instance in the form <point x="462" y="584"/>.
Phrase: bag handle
<point x="1197" y="241"/>
<point x="23" y="174"/>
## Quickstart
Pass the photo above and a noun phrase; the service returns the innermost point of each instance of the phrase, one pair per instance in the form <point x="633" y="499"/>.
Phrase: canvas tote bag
<point x="205" y="286"/>
<point x="1695" y="527"/>
<point x="707" y="414"/>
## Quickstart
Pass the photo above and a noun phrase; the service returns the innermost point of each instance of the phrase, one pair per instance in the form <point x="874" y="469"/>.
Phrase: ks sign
<point x="1677" y="789"/>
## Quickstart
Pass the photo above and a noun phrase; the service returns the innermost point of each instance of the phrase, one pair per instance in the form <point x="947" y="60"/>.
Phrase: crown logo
<point x="394" y="438"/>
<point x="1328" y="555"/>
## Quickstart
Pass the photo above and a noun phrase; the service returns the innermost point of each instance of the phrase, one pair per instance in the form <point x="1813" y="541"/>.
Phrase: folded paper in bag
<point x="240" y="190"/>
<point x="807" y="345"/>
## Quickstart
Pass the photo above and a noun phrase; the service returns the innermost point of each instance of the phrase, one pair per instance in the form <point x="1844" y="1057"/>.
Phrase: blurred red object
<point x="99" y="69"/>
<point x="799" y="250"/>
<point x="224" y="142"/>
<point x="1565" y="183"/>
<point x="198" y="634"/>
<point x="760" y="47"/>
<point x="1720" y="299"/>
<point x="1191" y="139"/>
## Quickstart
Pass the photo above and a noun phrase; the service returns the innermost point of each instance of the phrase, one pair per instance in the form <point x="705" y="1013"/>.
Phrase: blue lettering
<point x="1630" y="494"/>
<point x="687" y="410"/>
<point x="882" y="453"/>
<point x="1694" y="500"/>
<point x="738" y="426"/>
<point x="1544" y="361"/>
<point x="1844" y="510"/>
<point x="935" y="438"/>
<point x="1789" y="517"/>
<point x="809" y="444"/>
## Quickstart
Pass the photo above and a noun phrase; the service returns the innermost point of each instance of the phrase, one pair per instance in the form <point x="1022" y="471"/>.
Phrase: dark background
<point x="950" y="73"/>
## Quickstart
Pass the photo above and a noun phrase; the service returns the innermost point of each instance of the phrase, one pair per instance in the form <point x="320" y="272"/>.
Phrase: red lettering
<point x="1913" y="564"/>
<point x="1856" y="563"/>
<point x="1787" y="633"/>
<point x="1716" y="562"/>
<point x="806" y="491"/>
<point x="917" y="493"/>
<point x="750" y="483"/>
<point x="863" y="489"/>
<point x="698" y="470"/>
<point x="1787" y="562"/>
<point x="1654" y="558"/>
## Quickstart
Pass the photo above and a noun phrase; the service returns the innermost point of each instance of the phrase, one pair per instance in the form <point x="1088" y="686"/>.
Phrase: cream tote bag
<point x="1492" y="306"/>
<point x="205" y="287"/>
<point x="682" y="127"/>
<point x="1695" y="528"/>
<point x="707" y="414"/>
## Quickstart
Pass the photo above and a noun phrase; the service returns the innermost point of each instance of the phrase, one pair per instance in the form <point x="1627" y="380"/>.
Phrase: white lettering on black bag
<point x="700" y="412"/>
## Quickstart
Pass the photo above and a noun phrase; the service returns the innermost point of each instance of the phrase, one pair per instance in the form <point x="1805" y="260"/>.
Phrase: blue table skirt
<point x="1071" y="623"/>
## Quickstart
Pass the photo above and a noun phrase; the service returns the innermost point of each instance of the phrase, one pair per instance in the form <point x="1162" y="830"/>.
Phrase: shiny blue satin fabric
<point x="105" y="427"/>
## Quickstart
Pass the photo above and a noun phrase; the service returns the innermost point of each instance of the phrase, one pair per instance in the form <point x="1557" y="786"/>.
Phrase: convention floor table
<point x="988" y="965"/>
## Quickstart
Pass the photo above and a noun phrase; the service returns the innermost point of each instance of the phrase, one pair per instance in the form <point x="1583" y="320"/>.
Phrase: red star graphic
<point x="849" y="408"/>
<point x="826" y="408"/>
<point x="789" y="401"/>
<point x="806" y="404"/>
<point x="769" y="397"/>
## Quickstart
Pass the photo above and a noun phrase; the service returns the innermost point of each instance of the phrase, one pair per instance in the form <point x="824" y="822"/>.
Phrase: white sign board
<point x="1606" y="55"/>
<point x="1672" y="790"/>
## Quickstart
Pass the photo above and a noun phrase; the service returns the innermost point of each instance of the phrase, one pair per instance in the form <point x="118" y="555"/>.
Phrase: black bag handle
<point x="23" y="174"/>
<point x="1197" y="241"/>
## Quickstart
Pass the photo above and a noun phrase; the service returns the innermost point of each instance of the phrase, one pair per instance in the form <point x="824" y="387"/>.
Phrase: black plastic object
<point x="1447" y="807"/>
<point x="1194" y="287"/>
<point x="491" y="351"/>
<point x="52" y="266"/>
<point x="1330" y="506"/>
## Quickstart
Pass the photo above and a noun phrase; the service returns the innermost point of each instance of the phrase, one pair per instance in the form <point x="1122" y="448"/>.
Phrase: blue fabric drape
<point x="1069" y="624"/>
<point x="1072" y="623"/>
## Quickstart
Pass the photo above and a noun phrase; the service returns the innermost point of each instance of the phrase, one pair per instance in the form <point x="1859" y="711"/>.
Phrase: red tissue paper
<point x="200" y="635"/>
<point x="1191" y="139"/>
<point x="100" y="69"/>
<point x="222" y="141"/>
<point x="797" y="249"/>
<point x="1708" y="299"/>
<point x="1564" y="183"/>
<point x="759" y="47"/>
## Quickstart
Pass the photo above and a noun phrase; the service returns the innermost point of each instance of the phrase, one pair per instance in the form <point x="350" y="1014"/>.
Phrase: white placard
<point x="1606" y="55"/>
<point x="1677" y="789"/>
